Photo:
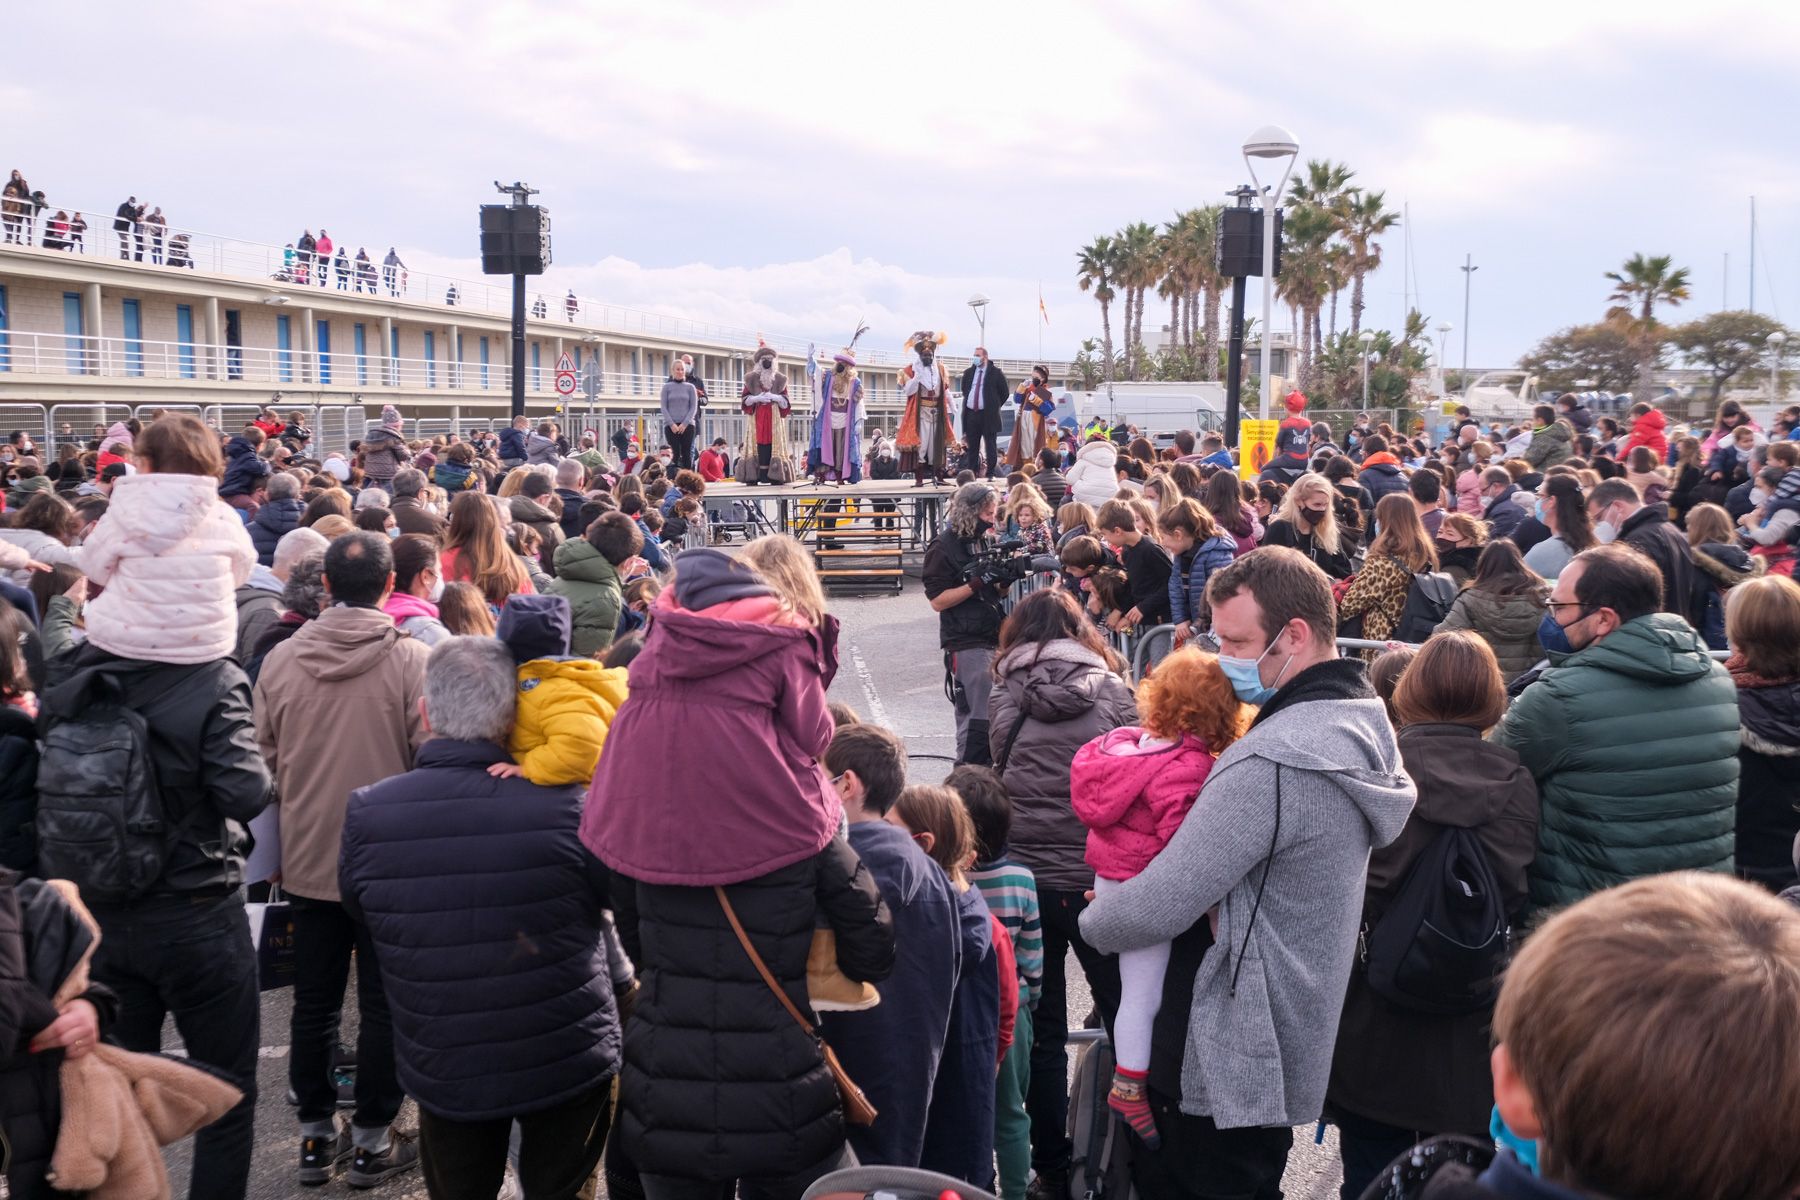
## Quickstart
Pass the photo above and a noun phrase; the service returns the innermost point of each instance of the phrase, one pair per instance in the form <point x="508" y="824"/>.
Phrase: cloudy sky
<point x="794" y="166"/>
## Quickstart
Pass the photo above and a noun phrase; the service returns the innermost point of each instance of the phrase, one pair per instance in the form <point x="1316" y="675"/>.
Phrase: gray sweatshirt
<point x="1263" y="1056"/>
<point x="680" y="403"/>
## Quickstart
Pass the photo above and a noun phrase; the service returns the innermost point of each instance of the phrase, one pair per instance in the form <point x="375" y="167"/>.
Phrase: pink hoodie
<point x="1133" y="800"/>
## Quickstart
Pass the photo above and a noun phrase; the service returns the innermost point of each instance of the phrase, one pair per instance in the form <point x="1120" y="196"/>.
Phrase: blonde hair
<point x="1074" y="515"/>
<point x="1708" y="523"/>
<point x="1027" y="496"/>
<point x="1325" y="533"/>
<point x="1664" y="1012"/>
<point x="509" y="486"/>
<point x="1146" y="516"/>
<point x="784" y="563"/>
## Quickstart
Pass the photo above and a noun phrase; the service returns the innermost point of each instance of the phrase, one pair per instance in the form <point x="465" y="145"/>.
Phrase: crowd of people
<point x="1471" y="901"/>
<point x="27" y="219"/>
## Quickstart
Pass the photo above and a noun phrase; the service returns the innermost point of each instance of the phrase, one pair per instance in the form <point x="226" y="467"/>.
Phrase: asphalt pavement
<point x="891" y="672"/>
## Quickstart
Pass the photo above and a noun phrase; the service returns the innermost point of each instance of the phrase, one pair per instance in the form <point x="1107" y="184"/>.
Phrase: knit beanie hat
<point x="390" y="417"/>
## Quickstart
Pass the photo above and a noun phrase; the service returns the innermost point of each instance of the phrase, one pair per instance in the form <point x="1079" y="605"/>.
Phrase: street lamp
<point x="1443" y="331"/>
<point x="1269" y="142"/>
<point x="1366" y="337"/>
<point x="1468" y="269"/>
<point x="1776" y="341"/>
<point x="979" y="303"/>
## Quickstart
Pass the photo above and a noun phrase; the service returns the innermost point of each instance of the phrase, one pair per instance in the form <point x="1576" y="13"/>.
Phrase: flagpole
<point x="1040" y="320"/>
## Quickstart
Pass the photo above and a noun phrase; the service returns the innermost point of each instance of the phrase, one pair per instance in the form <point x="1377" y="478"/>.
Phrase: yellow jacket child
<point x="565" y="705"/>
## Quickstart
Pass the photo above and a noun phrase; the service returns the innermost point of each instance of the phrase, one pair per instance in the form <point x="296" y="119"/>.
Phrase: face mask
<point x="437" y="592"/>
<point x="1543" y="512"/>
<point x="1758" y="496"/>
<point x="1246" y="676"/>
<point x="1315" y="515"/>
<point x="1554" y="637"/>
<point x="393" y="531"/>
<point x="1606" y="531"/>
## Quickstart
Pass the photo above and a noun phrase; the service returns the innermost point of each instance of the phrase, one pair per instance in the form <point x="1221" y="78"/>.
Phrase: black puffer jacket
<point x="975" y="623"/>
<point x="18" y="789"/>
<point x="203" y="745"/>
<point x="1768" y="780"/>
<point x="1069" y="696"/>
<point x="719" y="1081"/>
<point x="484" y="908"/>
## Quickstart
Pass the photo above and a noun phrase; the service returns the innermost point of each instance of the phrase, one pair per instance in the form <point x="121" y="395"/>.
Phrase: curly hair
<point x="1188" y="693"/>
<point x="963" y="514"/>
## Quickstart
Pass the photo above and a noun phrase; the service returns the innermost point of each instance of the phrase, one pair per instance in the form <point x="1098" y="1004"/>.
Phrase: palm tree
<point x="1324" y="184"/>
<point x="1140" y="268"/>
<point x="1203" y="231"/>
<point x="1305" y="279"/>
<point x="1364" y="219"/>
<point x="1096" y="267"/>
<point x="1645" y="282"/>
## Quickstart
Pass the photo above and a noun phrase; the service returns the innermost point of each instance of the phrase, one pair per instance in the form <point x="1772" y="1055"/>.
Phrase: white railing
<point x="170" y="247"/>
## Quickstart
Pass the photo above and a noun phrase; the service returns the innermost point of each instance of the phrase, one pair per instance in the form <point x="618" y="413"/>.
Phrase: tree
<point x="1637" y="289"/>
<point x="1609" y="353"/>
<point x="1203" y="231"/>
<point x="1365" y="219"/>
<point x="1096" y="266"/>
<point x="1140" y="268"/>
<point x="1089" y="365"/>
<point x="1645" y="282"/>
<point x="1305" y="279"/>
<point x="1726" y="344"/>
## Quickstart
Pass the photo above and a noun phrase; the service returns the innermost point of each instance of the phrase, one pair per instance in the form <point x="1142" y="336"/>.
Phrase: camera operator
<point x="969" y="611"/>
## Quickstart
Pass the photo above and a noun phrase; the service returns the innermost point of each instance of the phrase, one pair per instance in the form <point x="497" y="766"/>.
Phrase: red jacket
<point x="1647" y="430"/>
<point x="1008" y="964"/>
<point x="712" y="465"/>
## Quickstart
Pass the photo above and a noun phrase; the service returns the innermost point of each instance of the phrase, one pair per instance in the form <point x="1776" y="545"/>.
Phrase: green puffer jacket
<point x="592" y="586"/>
<point x="1633" y="741"/>
<point x="1550" y="446"/>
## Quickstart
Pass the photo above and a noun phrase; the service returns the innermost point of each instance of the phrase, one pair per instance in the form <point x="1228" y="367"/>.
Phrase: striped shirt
<point x="1011" y="894"/>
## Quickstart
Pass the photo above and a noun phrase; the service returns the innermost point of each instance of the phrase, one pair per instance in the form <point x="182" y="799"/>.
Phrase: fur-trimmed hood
<point x="1728" y="566"/>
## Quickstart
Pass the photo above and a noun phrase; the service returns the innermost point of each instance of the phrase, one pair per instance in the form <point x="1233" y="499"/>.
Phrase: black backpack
<point x="100" y="820"/>
<point x="1442" y="943"/>
<point x="1428" y="602"/>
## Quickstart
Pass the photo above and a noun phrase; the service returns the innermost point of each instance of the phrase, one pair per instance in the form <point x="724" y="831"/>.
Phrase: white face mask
<point x="437" y="592"/>
<point x="1606" y="531"/>
<point x="1758" y="496"/>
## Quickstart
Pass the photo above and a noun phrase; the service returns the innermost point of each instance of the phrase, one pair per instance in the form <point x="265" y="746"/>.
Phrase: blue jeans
<point x="192" y="957"/>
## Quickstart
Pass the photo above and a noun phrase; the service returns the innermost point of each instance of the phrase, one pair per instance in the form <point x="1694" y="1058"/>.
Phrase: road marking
<point x="876" y="708"/>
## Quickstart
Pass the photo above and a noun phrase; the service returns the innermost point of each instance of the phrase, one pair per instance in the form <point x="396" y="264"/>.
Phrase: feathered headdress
<point x="926" y="335"/>
<point x="847" y="355"/>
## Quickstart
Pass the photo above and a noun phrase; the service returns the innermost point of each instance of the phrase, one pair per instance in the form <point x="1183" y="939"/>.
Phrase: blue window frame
<point x="75" y="329"/>
<point x="637" y="378"/>
<point x="456" y="369"/>
<point x="484" y="363"/>
<point x="184" y="336"/>
<point x="430" y="359"/>
<point x="284" y="346"/>
<point x="324" y="351"/>
<point x="394" y="356"/>
<point x="360" y="335"/>
<point x="133" y="328"/>
<point x="5" y="337"/>
<point x="537" y="370"/>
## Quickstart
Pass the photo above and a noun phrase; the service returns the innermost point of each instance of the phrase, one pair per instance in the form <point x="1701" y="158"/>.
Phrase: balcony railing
<point x="59" y="355"/>
<point x="287" y="270"/>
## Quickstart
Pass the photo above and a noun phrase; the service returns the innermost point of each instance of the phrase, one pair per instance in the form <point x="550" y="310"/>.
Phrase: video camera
<point x="1005" y="563"/>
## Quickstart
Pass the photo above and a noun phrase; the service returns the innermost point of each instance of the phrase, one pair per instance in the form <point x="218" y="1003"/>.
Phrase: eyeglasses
<point x="1553" y="605"/>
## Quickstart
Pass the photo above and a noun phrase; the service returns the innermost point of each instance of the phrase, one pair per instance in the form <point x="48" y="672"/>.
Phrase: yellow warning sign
<point x="1256" y="445"/>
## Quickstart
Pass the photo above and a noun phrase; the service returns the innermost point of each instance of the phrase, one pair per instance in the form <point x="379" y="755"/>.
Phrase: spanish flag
<point x="1042" y="311"/>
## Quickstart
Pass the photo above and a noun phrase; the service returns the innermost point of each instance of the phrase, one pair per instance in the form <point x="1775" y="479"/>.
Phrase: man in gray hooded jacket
<point x="1279" y="842"/>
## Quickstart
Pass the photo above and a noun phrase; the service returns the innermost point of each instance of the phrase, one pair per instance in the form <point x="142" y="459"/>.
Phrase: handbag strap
<point x="1012" y="737"/>
<point x="762" y="968"/>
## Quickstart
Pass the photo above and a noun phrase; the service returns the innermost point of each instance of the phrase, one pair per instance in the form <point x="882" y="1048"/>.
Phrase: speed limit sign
<point x="565" y="383"/>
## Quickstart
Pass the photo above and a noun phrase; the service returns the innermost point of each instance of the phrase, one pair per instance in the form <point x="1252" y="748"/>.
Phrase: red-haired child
<point x="1132" y="788"/>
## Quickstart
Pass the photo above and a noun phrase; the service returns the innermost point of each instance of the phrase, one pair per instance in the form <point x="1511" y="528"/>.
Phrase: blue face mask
<point x="1245" y="675"/>
<point x="1554" y="637"/>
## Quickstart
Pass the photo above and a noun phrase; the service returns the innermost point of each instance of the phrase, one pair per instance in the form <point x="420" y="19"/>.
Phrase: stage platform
<point x="861" y="534"/>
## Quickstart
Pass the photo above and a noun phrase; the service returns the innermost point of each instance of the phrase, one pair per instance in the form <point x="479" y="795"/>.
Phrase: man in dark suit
<point x="984" y="390"/>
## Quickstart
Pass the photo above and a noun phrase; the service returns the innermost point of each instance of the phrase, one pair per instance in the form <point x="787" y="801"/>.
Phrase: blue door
<point x="134" y="338"/>
<point x="360" y="336"/>
<point x="75" y="329"/>
<point x="430" y="359"/>
<point x="284" y="346"/>
<point x="324" y="351"/>
<point x="184" y="337"/>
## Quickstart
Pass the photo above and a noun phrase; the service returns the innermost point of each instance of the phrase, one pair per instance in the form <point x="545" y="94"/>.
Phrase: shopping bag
<point x="272" y="933"/>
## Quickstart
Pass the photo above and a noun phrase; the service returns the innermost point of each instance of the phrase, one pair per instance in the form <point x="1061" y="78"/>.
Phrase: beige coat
<point x="337" y="708"/>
